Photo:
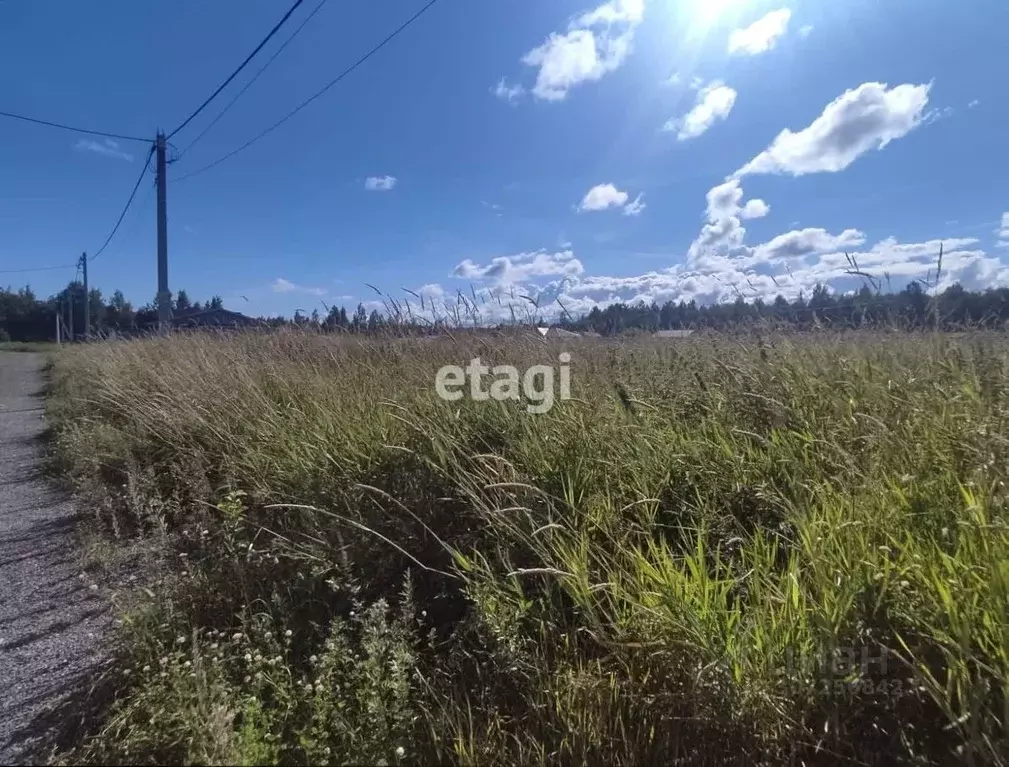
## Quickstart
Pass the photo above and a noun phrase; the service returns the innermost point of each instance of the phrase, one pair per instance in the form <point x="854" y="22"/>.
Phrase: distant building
<point x="555" y="332"/>
<point x="674" y="333"/>
<point x="211" y="318"/>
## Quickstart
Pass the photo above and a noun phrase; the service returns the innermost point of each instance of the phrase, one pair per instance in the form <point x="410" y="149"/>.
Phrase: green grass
<point x="690" y="559"/>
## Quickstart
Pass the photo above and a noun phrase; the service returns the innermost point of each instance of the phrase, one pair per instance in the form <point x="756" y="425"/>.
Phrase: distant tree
<point x="360" y="321"/>
<point x="97" y="306"/>
<point x="182" y="302"/>
<point x="215" y="303"/>
<point x="332" y="321"/>
<point x="119" y="314"/>
<point x="157" y="302"/>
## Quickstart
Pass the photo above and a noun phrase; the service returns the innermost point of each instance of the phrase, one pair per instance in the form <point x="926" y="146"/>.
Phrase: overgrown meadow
<point x="778" y="549"/>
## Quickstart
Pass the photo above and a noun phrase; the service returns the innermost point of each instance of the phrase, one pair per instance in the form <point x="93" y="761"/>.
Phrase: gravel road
<point x="51" y="623"/>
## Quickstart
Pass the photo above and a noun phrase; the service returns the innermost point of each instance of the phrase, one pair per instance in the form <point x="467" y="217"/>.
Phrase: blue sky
<point x="595" y="151"/>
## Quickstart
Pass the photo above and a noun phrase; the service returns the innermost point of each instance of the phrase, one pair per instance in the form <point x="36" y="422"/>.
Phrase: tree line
<point x="26" y="317"/>
<point x="914" y="307"/>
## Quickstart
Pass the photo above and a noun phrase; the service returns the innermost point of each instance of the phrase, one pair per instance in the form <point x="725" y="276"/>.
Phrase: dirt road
<point x="51" y="622"/>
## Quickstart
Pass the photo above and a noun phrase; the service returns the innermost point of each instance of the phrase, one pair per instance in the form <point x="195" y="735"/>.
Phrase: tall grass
<point x="768" y="550"/>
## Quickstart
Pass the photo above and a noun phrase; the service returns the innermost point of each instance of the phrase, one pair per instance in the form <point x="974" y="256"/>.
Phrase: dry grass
<point x="690" y="559"/>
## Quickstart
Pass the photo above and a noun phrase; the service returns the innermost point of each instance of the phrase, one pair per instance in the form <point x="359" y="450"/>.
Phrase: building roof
<point x="561" y="333"/>
<point x="211" y="317"/>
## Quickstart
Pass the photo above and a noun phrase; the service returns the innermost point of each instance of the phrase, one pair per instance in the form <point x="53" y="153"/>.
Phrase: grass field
<point x="763" y="550"/>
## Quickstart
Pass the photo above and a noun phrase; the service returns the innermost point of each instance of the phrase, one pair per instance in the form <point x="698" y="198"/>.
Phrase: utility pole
<point x="164" y="295"/>
<point x="87" y="298"/>
<point x="70" y="307"/>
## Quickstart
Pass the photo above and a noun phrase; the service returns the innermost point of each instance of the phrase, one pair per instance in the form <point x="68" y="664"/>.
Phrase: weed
<point x="681" y="561"/>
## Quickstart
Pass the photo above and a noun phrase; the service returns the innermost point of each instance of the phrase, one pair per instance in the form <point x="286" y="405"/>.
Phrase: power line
<point x="254" y="78"/>
<point x="37" y="269"/>
<point x="308" y="101"/>
<point x="240" y="67"/>
<point x="131" y="233"/>
<point x="72" y="128"/>
<point x="143" y="172"/>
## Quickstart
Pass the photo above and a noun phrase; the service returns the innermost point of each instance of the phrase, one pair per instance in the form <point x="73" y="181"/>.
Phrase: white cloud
<point x="380" y="183"/>
<point x="714" y="102"/>
<point x="636" y="207"/>
<point x="934" y="115"/>
<point x="597" y="42"/>
<point x="804" y="242"/>
<point x="723" y="231"/>
<point x="805" y="31"/>
<point x="433" y="290"/>
<point x="280" y="285"/>
<point x="787" y="265"/>
<point x="509" y="93"/>
<point x="1003" y="232"/>
<point x="605" y="196"/>
<point x="507" y="270"/>
<point x="601" y="197"/>
<point x="755" y="209"/>
<point x="725" y="278"/>
<point x="762" y="35"/>
<point x="614" y="12"/>
<point x="973" y="103"/>
<point x="866" y="118"/>
<point x="109" y="148"/>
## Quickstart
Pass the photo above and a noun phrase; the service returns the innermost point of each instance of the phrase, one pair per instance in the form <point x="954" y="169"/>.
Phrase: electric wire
<point x="72" y="128"/>
<point x="143" y="172"/>
<point x="241" y="66"/>
<point x="37" y="269"/>
<point x="254" y="78"/>
<point x="319" y="93"/>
